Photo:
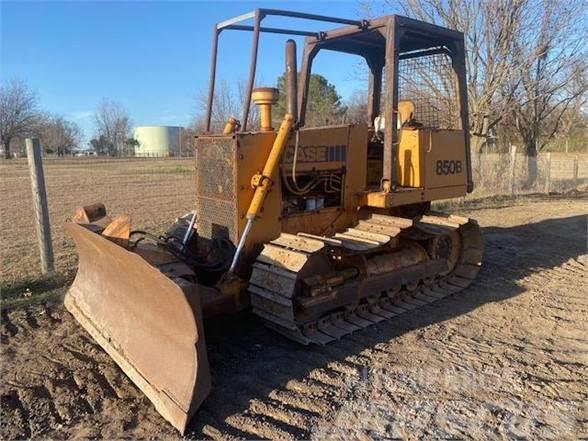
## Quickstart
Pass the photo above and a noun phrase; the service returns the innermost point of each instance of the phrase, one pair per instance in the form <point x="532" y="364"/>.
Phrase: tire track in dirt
<point x="15" y="416"/>
<point x="512" y="347"/>
<point x="539" y="285"/>
<point x="288" y="411"/>
<point x="8" y="328"/>
<point x="63" y="381"/>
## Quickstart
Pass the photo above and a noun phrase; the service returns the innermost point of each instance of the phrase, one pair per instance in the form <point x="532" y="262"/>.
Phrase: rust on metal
<point x="339" y="243"/>
<point x="291" y="79"/>
<point x="396" y="282"/>
<point x="89" y="213"/>
<point x="149" y="323"/>
<point x="119" y="230"/>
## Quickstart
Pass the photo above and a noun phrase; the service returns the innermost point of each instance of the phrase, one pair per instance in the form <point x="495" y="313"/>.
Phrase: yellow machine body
<point x="431" y="166"/>
<point x="242" y="155"/>
<point x="432" y="158"/>
<point x="321" y="231"/>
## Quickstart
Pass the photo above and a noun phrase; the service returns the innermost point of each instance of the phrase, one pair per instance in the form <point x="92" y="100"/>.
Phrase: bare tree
<point x="113" y="127"/>
<point x="59" y="135"/>
<point x="526" y="63"/>
<point x="19" y="113"/>
<point x="101" y="145"/>
<point x="356" y="107"/>
<point x="228" y="101"/>
<point x="491" y="30"/>
<point x="551" y="59"/>
<point x="574" y="122"/>
<point x="188" y="136"/>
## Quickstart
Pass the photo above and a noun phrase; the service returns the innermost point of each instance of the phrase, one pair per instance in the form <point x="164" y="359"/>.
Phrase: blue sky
<point x="152" y="57"/>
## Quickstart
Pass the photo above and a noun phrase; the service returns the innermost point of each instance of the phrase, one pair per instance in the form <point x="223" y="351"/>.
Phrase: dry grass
<point x="153" y="192"/>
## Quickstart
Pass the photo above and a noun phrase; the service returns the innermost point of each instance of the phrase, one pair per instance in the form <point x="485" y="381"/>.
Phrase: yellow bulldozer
<point x="320" y="231"/>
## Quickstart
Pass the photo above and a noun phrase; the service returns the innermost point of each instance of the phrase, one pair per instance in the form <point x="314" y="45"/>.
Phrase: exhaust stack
<point x="291" y="79"/>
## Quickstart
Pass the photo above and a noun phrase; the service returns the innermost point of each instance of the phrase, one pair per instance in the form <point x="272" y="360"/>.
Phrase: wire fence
<point x="156" y="191"/>
<point x="153" y="191"/>
<point x="513" y="174"/>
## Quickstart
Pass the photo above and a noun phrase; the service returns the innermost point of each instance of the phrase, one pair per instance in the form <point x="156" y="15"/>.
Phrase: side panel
<point x="431" y="158"/>
<point x="225" y="165"/>
<point x="445" y="159"/>
<point x="319" y="148"/>
<point x="356" y="177"/>
<point x="432" y="166"/>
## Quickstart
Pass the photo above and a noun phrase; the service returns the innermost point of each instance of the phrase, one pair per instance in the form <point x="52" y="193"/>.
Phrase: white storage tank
<point x="158" y="141"/>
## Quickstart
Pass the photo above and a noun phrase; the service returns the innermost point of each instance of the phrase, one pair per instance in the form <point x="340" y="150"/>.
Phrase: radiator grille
<point x="216" y="204"/>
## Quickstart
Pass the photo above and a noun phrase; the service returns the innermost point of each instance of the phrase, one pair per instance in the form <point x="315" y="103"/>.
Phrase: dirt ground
<point x="506" y="358"/>
<point x="153" y="191"/>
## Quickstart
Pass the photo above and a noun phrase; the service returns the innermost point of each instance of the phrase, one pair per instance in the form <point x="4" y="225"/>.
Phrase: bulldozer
<point x="319" y="231"/>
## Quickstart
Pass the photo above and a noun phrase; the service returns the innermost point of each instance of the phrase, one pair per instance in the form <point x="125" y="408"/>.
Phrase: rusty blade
<point x="148" y="323"/>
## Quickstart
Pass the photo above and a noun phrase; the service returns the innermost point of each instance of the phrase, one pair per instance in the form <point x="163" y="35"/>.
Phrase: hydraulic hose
<point x="263" y="182"/>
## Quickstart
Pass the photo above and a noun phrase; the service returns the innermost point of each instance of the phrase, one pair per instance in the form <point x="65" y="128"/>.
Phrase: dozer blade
<point x="150" y="323"/>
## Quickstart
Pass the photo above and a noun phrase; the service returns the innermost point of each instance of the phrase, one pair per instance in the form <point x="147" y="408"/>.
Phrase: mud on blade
<point x="146" y="318"/>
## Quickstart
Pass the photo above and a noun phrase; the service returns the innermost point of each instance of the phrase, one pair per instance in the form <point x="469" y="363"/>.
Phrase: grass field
<point x="153" y="192"/>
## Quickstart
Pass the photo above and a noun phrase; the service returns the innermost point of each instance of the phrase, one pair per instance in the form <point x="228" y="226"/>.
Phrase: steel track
<point x="273" y="282"/>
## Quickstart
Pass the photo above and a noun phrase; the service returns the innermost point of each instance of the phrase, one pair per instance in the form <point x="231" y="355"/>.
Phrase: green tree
<point x="324" y="105"/>
<point x="102" y="146"/>
<point x="131" y="145"/>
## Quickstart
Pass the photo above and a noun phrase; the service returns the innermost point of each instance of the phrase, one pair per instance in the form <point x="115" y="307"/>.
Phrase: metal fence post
<point x="481" y="163"/>
<point x="40" y="204"/>
<point x="512" y="168"/>
<point x="548" y="173"/>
